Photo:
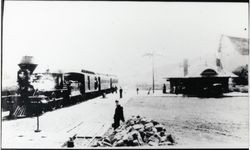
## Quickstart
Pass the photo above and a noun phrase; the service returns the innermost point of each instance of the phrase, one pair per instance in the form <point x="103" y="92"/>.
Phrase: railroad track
<point x="84" y="134"/>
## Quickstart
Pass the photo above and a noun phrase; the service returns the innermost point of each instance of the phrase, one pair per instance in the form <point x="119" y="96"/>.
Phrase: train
<point x="41" y="92"/>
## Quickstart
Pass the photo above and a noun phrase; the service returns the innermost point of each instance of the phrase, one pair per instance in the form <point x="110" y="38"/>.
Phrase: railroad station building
<point x="200" y="80"/>
<point x="211" y="77"/>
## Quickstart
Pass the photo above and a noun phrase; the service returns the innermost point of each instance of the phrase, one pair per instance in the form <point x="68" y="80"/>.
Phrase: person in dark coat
<point x="120" y="92"/>
<point x="118" y="115"/>
<point x="70" y="143"/>
<point x="149" y="91"/>
<point x="164" y="89"/>
<point x="115" y="89"/>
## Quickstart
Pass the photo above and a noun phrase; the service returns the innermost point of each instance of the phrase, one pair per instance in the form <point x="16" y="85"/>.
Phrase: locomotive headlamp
<point x="21" y="74"/>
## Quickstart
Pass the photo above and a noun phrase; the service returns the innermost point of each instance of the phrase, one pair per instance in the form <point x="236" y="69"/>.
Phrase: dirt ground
<point x="197" y="122"/>
<point x="57" y="126"/>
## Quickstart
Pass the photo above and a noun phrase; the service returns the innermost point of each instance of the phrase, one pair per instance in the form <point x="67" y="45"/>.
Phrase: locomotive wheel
<point x="64" y="101"/>
<point x="61" y="105"/>
<point x="53" y="106"/>
<point x="83" y="98"/>
<point x="58" y="104"/>
<point x="50" y="106"/>
<point x="77" y="99"/>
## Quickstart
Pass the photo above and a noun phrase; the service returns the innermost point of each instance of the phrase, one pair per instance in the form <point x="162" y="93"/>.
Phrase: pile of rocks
<point x="137" y="131"/>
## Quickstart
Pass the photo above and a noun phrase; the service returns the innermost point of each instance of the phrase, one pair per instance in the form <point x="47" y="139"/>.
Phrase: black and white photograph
<point x="124" y="74"/>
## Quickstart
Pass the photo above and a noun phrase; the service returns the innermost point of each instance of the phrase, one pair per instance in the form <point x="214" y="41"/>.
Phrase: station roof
<point x="198" y="71"/>
<point x="87" y="71"/>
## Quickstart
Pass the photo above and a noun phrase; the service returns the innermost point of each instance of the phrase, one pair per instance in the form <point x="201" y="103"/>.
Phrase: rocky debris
<point x="137" y="131"/>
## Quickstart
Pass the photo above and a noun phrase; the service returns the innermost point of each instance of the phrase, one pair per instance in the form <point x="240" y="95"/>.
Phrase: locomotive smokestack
<point x="27" y="63"/>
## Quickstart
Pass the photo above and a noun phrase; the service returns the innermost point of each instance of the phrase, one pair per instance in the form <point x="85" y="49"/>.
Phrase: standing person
<point x="164" y="88"/>
<point x="70" y="143"/>
<point x="115" y="89"/>
<point x="120" y="92"/>
<point x="137" y="90"/>
<point x="149" y="91"/>
<point x="118" y="115"/>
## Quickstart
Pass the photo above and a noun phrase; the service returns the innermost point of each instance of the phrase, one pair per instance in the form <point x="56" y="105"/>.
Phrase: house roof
<point x="240" y="44"/>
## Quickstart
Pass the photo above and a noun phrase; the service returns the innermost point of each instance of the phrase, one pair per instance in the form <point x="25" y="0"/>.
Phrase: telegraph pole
<point x="153" y="73"/>
<point x="152" y="55"/>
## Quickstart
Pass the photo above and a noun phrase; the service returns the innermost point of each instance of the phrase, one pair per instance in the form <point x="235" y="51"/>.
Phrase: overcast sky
<point x="111" y="37"/>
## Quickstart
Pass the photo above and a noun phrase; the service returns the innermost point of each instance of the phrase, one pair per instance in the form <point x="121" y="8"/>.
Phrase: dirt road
<point x="197" y="122"/>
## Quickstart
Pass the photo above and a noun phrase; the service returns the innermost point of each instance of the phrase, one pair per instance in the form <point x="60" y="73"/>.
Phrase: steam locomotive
<point x="41" y="92"/>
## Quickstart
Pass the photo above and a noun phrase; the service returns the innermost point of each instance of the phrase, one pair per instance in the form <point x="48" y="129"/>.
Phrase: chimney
<point x="218" y="56"/>
<point x="185" y="66"/>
